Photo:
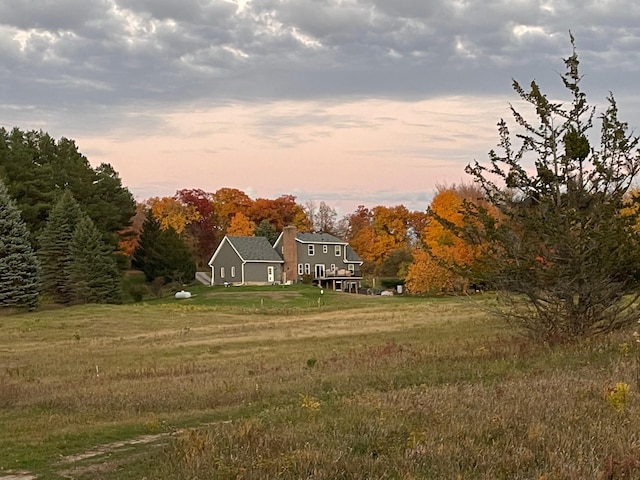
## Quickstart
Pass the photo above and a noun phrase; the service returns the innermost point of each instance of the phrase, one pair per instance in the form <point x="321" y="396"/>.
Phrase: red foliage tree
<point x="205" y="231"/>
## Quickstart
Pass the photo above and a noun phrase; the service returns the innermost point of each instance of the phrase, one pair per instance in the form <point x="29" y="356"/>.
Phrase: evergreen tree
<point x="108" y="203"/>
<point x="55" y="248"/>
<point x="163" y="254"/>
<point x="36" y="169"/>
<point x="19" y="266"/>
<point x="179" y="264"/>
<point x="267" y="230"/>
<point x="560" y="253"/>
<point x="147" y="253"/>
<point x="27" y="176"/>
<point x="94" y="275"/>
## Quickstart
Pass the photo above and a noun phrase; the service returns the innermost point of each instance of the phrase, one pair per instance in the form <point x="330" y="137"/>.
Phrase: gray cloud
<point x="51" y="15"/>
<point x="84" y="56"/>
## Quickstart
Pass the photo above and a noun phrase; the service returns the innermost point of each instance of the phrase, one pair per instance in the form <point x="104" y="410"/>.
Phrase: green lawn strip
<point x="281" y="299"/>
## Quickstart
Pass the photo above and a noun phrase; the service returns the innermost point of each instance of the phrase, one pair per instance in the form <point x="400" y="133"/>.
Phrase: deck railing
<point x="341" y="273"/>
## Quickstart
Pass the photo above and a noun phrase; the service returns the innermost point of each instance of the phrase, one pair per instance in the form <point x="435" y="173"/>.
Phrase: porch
<point x="340" y="280"/>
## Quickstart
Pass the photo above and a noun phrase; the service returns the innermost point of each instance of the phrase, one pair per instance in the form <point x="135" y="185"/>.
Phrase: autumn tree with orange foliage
<point x="129" y="236"/>
<point x="227" y="202"/>
<point x="361" y="236"/>
<point x="240" y="225"/>
<point x="432" y="270"/>
<point x="280" y="212"/>
<point x="378" y="233"/>
<point x="203" y="233"/>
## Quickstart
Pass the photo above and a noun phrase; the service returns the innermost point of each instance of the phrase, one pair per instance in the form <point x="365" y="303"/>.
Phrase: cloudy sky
<point x="349" y="102"/>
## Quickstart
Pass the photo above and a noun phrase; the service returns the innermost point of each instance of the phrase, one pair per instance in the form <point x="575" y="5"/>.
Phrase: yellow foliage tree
<point x="170" y="213"/>
<point x="229" y="201"/>
<point x="632" y="205"/>
<point x="301" y="221"/>
<point x="442" y="242"/>
<point x="241" y="225"/>
<point x="426" y="275"/>
<point x="365" y="243"/>
<point x="376" y="233"/>
<point x="390" y="225"/>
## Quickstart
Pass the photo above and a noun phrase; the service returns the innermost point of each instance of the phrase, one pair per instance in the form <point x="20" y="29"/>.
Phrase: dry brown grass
<point x="388" y="390"/>
<point x="534" y="423"/>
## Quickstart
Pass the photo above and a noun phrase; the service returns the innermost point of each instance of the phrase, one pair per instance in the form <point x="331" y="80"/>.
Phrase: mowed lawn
<point x="283" y="382"/>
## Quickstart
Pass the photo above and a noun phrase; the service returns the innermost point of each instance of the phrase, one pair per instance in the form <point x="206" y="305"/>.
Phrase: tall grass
<point x="400" y="389"/>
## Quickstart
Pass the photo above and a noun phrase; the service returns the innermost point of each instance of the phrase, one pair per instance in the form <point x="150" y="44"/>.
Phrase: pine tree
<point x="94" y="275"/>
<point x="267" y="230"/>
<point x="163" y="254"/>
<point x="562" y="257"/>
<point x="147" y="253"/>
<point x="55" y="248"/>
<point x="36" y="167"/>
<point x="19" y="266"/>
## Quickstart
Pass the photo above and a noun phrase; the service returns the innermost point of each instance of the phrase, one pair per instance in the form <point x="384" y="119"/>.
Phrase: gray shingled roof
<point x="318" y="238"/>
<point x="352" y="256"/>
<point x="254" y="249"/>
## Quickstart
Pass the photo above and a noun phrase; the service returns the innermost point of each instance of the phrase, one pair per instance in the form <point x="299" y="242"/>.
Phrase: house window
<point x="300" y="269"/>
<point x="233" y="272"/>
<point x="338" y="250"/>
<point x="351" y="267"/>
<point x="307" y="269"/>
<point x="325" y="248"/>
<point x="333" y="268"/>
<point x="312" y="250"/>
<point x="221" y="272"/>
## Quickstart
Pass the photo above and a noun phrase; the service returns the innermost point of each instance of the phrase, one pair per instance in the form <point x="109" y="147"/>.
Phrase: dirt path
<point x="17" y="475"/>
<point x="97" y="459"/>
<point x="102" y="458"/>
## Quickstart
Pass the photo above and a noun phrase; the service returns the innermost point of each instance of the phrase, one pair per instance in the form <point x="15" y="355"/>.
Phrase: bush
<point x="138" y="292"/>
<point x="391" y="283"/>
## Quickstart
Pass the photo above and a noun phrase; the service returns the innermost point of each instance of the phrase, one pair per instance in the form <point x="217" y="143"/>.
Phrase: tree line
<point x="60" y="222"/>
<point x="55" y="191"/>
<point x="85" y="229"/>
<point x="385" y="237"/>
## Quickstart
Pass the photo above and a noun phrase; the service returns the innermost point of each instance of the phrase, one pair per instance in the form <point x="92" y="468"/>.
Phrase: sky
<point x="350" y="102"/>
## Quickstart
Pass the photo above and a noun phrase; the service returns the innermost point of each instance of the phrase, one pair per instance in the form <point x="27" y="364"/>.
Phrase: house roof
<point x="256" y="249"/>
<point x="351" y="255"/>
<point x="319" y="238"/>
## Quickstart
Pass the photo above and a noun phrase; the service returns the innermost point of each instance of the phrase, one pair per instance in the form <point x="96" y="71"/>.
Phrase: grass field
<point x="282" y="382"/>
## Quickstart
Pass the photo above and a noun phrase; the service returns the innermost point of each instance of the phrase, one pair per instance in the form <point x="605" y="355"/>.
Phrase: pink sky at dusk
<point x="367" y="152"/>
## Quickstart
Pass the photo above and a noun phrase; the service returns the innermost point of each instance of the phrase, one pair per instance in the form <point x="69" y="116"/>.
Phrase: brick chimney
<point x="290" y="253"/>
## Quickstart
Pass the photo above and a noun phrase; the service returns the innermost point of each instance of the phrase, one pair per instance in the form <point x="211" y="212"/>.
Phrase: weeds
<point x="617" y="396"/>
<point x="430" y="390"/>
